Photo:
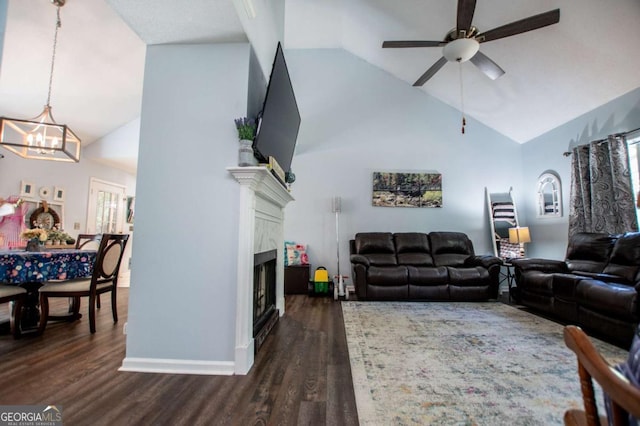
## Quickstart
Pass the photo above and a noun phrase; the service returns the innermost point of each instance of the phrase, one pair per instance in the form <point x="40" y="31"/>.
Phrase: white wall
<point x="182" y="303"/>
<point x="264" y="30"/>
<point x="357" y="119"/>
<point x="119" y="148"/>
<point x="550" y="235"/>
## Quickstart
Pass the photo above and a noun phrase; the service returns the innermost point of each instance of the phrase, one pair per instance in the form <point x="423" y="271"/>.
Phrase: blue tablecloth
<point x="17" y="266"/>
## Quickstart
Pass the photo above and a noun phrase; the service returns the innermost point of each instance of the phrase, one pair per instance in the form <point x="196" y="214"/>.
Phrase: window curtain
<point x="602" y="198"/>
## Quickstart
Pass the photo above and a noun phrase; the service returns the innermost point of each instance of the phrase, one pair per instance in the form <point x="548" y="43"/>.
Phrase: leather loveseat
<point x="419" y="266"/>
<point x="596" y="286"/>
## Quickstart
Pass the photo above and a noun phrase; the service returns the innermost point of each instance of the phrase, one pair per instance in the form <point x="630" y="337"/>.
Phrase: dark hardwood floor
<point x="301" y="376"/>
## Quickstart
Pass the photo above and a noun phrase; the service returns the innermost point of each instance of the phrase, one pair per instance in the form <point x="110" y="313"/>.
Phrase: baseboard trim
<point x="178" y="366"/>
<point x="244" y="357"/>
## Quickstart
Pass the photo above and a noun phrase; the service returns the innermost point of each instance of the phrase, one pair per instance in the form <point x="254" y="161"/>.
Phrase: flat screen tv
<point x="280" y="120"/>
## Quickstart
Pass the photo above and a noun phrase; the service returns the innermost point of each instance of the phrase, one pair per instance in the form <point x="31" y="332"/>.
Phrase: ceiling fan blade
<point x="521" y="26"/>
<point x="486" y="65"/>
<point x="466" y="9"/>
<point x="430" y="72"/>
<point x="413" y="43"/>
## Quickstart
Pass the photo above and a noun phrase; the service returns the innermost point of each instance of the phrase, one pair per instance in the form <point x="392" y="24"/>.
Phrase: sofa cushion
<point x="589" y="251"/>
<point x="374" y="242"/>
<point x="615" y="300"/>
<point x="450" y="248"/>
<point x="537" y="282"/>
<point x="415" y="259"/>
<point x="429" y="292"/>
<point x="426" y="276"/>
<point x="608" y="278"/>
<point x="412" y="248"/>
<point x="625" y="257"/>
<point x="387" y="276"/>
<point x="564" y="286"/>
<point x="381" y="259"/>
<point x="468" y="276"/>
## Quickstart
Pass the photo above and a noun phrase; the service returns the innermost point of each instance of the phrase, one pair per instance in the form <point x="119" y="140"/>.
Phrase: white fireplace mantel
<point x="261" y="228"/>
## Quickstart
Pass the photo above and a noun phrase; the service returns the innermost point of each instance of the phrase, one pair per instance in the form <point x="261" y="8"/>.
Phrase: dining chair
<point x="17" y="295"/>
<point x="104" y="279"/>
<point x="89" y="242"/>
<point x="624" y="396"/>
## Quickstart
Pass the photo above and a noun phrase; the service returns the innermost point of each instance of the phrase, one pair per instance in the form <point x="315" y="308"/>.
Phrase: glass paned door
<point x="106" y="207"/>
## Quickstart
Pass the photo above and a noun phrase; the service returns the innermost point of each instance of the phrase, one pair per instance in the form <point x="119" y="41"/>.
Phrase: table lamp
<point x="520" y="235"/>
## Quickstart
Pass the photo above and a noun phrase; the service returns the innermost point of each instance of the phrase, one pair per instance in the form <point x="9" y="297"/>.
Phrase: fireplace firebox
<point x="265" y="314"/>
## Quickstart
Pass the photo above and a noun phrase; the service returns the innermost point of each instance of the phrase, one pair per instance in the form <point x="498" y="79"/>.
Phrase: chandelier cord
<point x="53" y="56"/>
<point x="464" y="121"/>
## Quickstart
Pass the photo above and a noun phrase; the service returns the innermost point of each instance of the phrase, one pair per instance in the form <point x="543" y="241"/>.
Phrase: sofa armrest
<point x="359" y="259"/>
<point x="359" y="277"/>
<point x="543" y="265"/>
<point x="485" y="260"/>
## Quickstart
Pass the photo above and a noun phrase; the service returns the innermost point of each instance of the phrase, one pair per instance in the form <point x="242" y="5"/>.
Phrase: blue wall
<point x="357" y="119"/>
<point x="549" y="235"/>
<point x="182" y="302"/>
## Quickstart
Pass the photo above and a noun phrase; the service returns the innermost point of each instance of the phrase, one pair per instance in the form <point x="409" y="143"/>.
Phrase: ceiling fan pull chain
<point x="464" y="121"/>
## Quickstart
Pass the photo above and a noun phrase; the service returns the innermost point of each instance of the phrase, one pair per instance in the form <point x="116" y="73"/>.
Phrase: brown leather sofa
<point x="419" y="266"/>
<point x="596" y="286"/>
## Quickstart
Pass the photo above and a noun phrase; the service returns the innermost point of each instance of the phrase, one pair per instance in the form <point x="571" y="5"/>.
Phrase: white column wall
<point x="182" y="307"/>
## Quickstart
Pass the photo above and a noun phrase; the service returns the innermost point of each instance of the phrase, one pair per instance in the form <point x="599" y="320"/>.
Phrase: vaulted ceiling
<point x="553" y="74"/>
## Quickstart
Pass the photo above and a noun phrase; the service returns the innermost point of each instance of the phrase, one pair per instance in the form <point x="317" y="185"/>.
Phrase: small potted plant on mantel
<point x="246" y="133"/>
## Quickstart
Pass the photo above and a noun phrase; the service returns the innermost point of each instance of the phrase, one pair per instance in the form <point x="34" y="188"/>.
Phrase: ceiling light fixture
<point x="41" y="138"/>
<point x="461" y="50"/>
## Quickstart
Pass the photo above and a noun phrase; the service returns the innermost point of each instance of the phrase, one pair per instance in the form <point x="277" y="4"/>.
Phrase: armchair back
<point x="625" y="258"/>
<point x="413" y="249"/>
<point x="589" y="251"/>
<point x="450" y="248"/>
<point x="376" y="247"/>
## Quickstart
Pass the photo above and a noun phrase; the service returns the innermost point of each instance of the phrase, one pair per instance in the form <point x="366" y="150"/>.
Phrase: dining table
<point x="30" y="269"/>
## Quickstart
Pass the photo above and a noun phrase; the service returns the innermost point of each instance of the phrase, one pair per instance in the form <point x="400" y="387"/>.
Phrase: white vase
<point x="245" y="153"/>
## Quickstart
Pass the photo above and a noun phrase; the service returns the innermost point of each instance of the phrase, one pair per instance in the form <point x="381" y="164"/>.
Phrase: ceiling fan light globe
<point x="460" y="50"/>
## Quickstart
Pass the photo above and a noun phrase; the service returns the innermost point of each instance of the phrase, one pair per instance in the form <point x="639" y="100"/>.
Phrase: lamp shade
<point x="519" y="234"/>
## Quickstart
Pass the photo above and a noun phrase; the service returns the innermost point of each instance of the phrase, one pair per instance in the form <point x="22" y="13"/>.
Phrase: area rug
<point x="460" y="364"/>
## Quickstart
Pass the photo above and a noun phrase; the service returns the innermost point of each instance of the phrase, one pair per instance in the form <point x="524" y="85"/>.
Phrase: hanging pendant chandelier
<point x="41" y="138"/>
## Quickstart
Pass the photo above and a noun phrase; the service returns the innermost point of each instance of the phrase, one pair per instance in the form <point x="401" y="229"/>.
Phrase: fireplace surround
<point x="261" y="228"/>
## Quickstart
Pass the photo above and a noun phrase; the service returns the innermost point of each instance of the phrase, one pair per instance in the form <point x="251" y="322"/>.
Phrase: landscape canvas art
<point x="391" y="189"/>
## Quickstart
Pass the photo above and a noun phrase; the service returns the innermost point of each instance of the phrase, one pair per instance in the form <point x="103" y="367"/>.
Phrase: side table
<point x="296" y="279"/>
<point x="509" y="276"/>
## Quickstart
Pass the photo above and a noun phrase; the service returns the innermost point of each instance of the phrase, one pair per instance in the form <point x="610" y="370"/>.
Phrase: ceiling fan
<point x="462" y="43"/>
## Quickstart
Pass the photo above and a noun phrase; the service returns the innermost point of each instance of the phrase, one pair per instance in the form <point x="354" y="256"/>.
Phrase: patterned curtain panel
<point x="602" y="198"/>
